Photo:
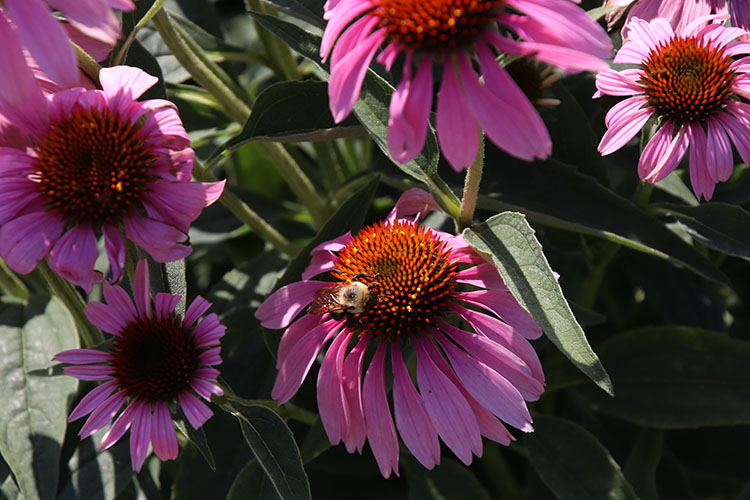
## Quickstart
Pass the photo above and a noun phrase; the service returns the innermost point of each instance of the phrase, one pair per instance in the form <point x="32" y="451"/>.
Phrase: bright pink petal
<point x="663" y="152"/>
<point x="719" y="158"/>
<point x="164" y="242"/>
<point x="293" y="334"/>
<point x="140" y="434"/>
<point x="447" y="407"/>
<point x="163" y="436"/>
<point x="26" y="240"/>
<point x="410" y="113"/>
<point x="124" y="84"/>
<point x="45" y="38"/>
<point x="616" y="83"/>
<point x="380" y="430"/>
<point x="332" y="404"/>
<point x="352" y="381"/>
<point x="623" y="129"/>
<point x="700" y="178"/>
<point x="301" y="356"/>
<point x="280" y="308"/>
<point x="194" y="409"/>
<point x="339" y="18"/>
<point x="506" y="307"/>
<point x="484" y="275"/>
<point x="142" y="289"/>
<point x="74" y="254"/>
<point x="415" y="203"/>
<point x="456" y="127"/>
<point x="93" y="17"/>
<point x="412" y="419"/>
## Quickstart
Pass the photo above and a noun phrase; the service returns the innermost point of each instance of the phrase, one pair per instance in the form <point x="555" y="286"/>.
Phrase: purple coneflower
<point x="82" y="162"/>
<point x="46" y="38"/>
<point x="156" y="359"/>
<point x="460" y="35"/>
<point x="420" y="284"/>
<point x="691" y="83"/>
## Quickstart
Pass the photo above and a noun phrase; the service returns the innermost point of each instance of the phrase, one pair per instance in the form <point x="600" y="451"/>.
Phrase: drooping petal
<point x="332" y="404"/>
<point x="663" y="152"/>
<point x="456" y="127"/>
<point x="700" y="178"/>
<point x="163" y="436"/>
<point x="140" y="434"/>
<point x="195" y="410"/>
<point x="115" y="248"/>
<point x="278" y="310"/>
<point x="124" y="84"/>
<point x="24" y="241"/>
<point x="142" y="289"/>
<point x="82" y="356"/>
<point x="381" y="434"/>
<point x="164" y="242"/>
<point x="352" y="382"/>
<point x="74" y="254"/>
<point x="410" y="113"/>
<point x="93" y="400"/>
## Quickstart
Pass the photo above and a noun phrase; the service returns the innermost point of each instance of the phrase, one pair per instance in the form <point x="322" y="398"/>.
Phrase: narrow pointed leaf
<point x="34" y="408"/>
<point x="509" y="243"/>
<point x="573" y="463"/>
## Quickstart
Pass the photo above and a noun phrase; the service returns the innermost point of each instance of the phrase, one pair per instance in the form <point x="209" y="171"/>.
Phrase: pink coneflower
<point x="680" y="13"/>
<point x="411" y="284"/>
<point x="156" y="359"/>
<point x="46" y="38"/>
<point x="83" y="162"/>
<point x="459" y="34"/>
<point x="692" y="84"/>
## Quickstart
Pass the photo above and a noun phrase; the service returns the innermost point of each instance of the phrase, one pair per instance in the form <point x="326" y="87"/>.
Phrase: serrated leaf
<point x="676" y="377"/>
<point x="275" y="450"/>
<point x="573" y="464"/>
<point x="34" y="409"/>
<point x="557" y="195"/>
<point x="292" y="111"/>
<point x="509" y="243"/>
<point x="448" y="481"/>
<point x="719" y="226"/>
<point x="371" y="109"/>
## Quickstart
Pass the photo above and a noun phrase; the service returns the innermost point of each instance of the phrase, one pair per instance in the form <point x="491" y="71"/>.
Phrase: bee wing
<point x="324" y="300"/>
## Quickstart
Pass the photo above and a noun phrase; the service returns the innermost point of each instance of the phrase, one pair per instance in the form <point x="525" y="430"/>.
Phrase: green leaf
<point x="251" y="483"/>
<point x="96" y="474"/>
<point x="275" y="450"/>
<point x="34" y="409"/>
<point x="676" y="377"/>
<point x="644" y="458"/>
<point x="719" y="226"/>
<point x="509" y="243"/>
<point x="557" y="195"/>
<point x="292" y="111"/>
<point x="371" y="110"/>
<point x="198" y="438"/>
<point x="448" y="481"/>
<point x="573" y="463"/>
<point x="308" y="10"/>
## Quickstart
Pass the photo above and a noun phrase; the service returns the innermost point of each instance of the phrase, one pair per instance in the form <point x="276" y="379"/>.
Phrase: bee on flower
<point x="472" y="379"/>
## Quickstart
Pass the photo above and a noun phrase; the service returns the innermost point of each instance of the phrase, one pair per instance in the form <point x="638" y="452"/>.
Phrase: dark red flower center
<point x="409" y="274"/>
<point x="435" y="24"/>
<point x="94" y="166"/>
<point x="154" y="359"/>
<point x="687" y="79"/>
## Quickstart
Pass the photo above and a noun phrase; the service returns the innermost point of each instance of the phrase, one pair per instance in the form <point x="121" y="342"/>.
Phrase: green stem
<point x="642" y="194"/>
<point x="213" y="79"/>
<point x="11" y="284"/>
<point x="87" y="63"/>
<point x="471" y="189"/>
<point x="247" y="215"/>
<point x="89" y="334"/>
<point x="277" y="51"/>
<point x="592" y="282"/>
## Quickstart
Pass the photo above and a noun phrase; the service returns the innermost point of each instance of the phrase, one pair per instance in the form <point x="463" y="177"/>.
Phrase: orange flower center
<point x="435" y="24"/>
<point x="94" y="166"/>
<point x="154" y="359"/>
<point x="408" y="271"/>
<point x="687" y="79"/>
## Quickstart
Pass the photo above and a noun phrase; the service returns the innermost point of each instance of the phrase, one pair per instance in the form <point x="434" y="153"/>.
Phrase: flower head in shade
<point x="694" y="86"/>
<point x="47" y="39"/>
<point x="156" y="359"/>
<point x="79" y="163"/>
<point x="470" y="378"/>
<point x="459" y="35"/>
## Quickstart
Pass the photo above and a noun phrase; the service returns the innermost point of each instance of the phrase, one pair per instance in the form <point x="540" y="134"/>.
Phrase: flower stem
<point x="10" y="283"/>
<point x="277" y="50"/>
<point x="471" y="189"/>
<point x="247" y="215"/>
<point x="212" y="78"/>
<point x="89" y="334"/>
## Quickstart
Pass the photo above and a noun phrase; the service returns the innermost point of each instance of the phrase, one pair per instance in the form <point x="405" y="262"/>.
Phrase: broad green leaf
<point x="507" y="241"/>
<point x="275" y="450"/>
<point x="292" y="111"/>
<point x="198" y="438"/>
<point x="97" y="474"/>
<point x="251" y="483"/>
<point x="573" y="463"/>
<point x="34" y="409"/>
<point x="371" y="110"/>
<point x="720" y="226"/>
<point x="447" y="481"/>
<point x="308" y="10"/>
<point x="643" y="460"/>
<point x="557" y="195"/>
<point x="676" y="377"/>
<point x="9" y="490"/>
